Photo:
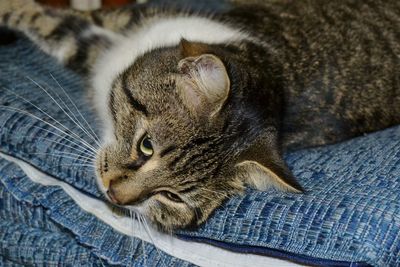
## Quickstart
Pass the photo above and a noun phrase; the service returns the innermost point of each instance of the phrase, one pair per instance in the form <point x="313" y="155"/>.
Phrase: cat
<point x="197" y="106"/>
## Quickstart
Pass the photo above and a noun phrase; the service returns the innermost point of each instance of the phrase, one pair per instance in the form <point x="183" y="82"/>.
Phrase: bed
<point x="51" y="212"/>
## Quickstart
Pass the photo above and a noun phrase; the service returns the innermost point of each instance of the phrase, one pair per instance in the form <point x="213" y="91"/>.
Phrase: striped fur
<point x="300" y="73"/>
<point x="73" y="40"/>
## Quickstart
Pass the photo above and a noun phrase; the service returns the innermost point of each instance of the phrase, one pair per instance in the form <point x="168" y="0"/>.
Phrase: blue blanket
<point x="350" y="215"/>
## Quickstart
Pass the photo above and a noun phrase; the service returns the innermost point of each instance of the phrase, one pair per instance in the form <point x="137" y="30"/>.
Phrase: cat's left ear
<point x="203" y="82"/>
<point x="261" y="166"/>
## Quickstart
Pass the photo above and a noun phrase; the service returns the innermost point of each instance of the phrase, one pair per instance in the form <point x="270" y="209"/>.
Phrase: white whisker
<point x="142" y="243"/>
<point x="65" y="137"/>
<point x="66" y="155"/>
<point x="75" y="149"/>
<point x="95" y="137"/>
<point x="214" y="192"/>
<point x="78" y="138"/>
<point x="80" y="162"/>
<point x="73" y="165"/>
<point x="44" y="90"/>
<point x="63" y="105"/>
<point x="131" y="215"/>
<point x="51" y="125"/>
<point x="148" y="231"/>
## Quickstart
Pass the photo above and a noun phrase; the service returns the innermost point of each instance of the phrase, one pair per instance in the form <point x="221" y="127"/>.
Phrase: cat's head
<point x="188" y="135"/>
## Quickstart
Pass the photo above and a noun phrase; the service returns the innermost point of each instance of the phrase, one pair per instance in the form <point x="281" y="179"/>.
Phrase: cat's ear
<point x="203" y="83"/>
<point x="261" y="166"/>
<point x="193" y="49"/>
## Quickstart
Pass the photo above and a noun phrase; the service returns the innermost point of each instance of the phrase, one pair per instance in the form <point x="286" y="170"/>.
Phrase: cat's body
<point x="221" y="95"/>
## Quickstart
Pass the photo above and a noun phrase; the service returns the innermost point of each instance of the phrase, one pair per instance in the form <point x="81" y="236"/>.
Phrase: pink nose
<point x="111" y="195"/>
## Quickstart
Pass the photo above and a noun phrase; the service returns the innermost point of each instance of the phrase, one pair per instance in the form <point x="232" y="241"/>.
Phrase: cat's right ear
<point x="261" y="166"/>
<point x="202" y="82"/>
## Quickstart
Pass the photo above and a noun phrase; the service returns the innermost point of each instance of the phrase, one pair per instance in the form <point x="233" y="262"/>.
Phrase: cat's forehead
<point x="152" y="104"/>
<point x="158" y="62"/>
<point x="152" y="77"/>
<point x="151" y="92"/>
<point x="156" y="97"/>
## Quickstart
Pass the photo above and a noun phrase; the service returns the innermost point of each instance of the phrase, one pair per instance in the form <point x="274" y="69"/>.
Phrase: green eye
<point x="146" y="147"/>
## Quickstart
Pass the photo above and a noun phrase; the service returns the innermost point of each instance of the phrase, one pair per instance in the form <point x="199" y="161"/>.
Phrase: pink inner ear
<point x="206" y="64"/>
<point x="204" y="82"/>
<point x="189" y="92"/>
<point x="185" y="65"/>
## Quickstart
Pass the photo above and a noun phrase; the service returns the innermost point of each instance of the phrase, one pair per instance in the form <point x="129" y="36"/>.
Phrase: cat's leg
<point x="72" y="39"/>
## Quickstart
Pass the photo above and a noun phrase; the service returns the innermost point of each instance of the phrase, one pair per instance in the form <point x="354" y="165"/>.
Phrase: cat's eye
<point x="146" y="147"/>
<point x="171" y="196"/>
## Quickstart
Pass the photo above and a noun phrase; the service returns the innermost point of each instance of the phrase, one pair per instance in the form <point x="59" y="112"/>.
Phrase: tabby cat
<point x="196" y="106"/>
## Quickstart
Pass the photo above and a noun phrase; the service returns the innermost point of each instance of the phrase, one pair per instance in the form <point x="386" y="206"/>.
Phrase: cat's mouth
<point x="110" y="194"/>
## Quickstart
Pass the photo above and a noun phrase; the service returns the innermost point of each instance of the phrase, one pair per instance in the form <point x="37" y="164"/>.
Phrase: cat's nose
<point x="122" y="194"/>
<point x="110" y="176"/>
<point x="111" y="195"/>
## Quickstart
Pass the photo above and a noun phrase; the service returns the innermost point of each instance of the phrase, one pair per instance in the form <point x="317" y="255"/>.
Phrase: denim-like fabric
<point x="28" y="236"/>
<point x="41" y="225"/>
<point x="350" y="211"/>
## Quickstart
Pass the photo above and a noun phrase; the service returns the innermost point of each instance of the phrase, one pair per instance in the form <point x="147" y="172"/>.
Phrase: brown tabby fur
<point x="316" y="72"/>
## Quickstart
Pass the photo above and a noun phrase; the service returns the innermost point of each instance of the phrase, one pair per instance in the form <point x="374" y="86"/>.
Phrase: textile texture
<point x="350" y="212"/>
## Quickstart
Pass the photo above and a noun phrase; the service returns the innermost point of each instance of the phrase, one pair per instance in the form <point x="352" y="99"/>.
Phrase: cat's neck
<point x="151" y="34"/>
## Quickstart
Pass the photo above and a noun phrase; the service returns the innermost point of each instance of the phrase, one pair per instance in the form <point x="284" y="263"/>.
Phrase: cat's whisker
<point x="142" y="243"/>
<point x="73" y="165"/>
<point x="114" y="212"/>
<point x="196" y="213"/>
<point x="66" y="155"/>
<point x="66" y="113"/>
<point x="196" y="208"/>
<point x="93" y="133"/>
<point x="63" y="137"/>
<point x="214" y="192"/>
<point x="134" y="217"/>
<point x="48" y="115"/>
<point x="77" y="138"/>
<point x="133" y="233"/>
<point x="74" y="149"/>
<point x="88" y="129"/>
<point x="142" y="226"/>
<point x="80" y="162"/>
<point x="75" y="120"/>
<point x="148" y="231"/>
<point x="45" y="113"/>
<point x="194" y="198"/>
<point x="78" y="150"/>
<point x="51" y="125"/>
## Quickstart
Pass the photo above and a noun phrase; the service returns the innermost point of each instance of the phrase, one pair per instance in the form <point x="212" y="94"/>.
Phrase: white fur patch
<point x="152" y="34"/>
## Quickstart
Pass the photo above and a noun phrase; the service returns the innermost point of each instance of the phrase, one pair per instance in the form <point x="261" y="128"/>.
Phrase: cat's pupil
<point x="146" y="147"/>
<point x="147" y="143"/>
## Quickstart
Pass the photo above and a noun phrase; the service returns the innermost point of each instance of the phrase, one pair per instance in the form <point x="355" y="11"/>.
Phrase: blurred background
<point x="88" y="4"/>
